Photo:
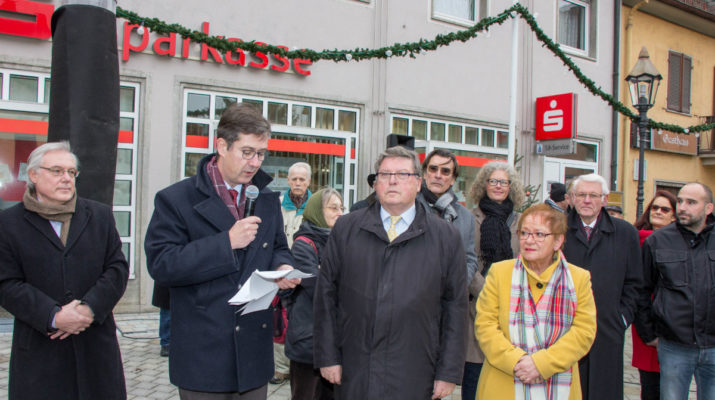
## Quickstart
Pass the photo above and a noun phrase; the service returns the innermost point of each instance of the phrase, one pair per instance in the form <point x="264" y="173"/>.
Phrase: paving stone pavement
<point x="147" y="373"/>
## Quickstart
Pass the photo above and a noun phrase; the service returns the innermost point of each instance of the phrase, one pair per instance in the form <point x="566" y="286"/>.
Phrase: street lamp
<point x="643" y="82"/>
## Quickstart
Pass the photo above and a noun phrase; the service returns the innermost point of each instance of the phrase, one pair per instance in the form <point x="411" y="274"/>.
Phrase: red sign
<point x="556" y="117"/>
<point x="168" y="46"/>
<point x="33" y="18"/>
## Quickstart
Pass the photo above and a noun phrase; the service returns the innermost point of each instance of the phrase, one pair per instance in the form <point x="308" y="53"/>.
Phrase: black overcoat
<point x="613" y="257"/>
<point x="38" y="273"/>
<point x="213" y="347"/>
<point x="392" y="314"/>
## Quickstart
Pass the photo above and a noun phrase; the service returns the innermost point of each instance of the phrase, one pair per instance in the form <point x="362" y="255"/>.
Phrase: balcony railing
<point x="706" y="141"/>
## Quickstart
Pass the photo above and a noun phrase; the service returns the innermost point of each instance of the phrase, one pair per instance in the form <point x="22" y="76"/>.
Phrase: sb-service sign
<point x="556" y="117"/>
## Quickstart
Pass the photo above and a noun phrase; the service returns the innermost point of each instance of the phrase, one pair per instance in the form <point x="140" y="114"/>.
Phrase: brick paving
<point x="147" y="376"/>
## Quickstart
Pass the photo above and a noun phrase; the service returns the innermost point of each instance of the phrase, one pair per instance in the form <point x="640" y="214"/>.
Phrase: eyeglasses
<point x="249" y="153"/>
<point x="335" y="208"/>
<point x="660" y="208"/>
<point x="56" y="171"/>
<point x="582" y="196"/>
<point x="538" y="236"/>
<point x="498" y="182"/>
<point x="444" y="170"/>
<point x="401" y="176"/>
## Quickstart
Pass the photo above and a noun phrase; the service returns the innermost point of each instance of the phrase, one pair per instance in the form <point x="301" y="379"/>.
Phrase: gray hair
<point x="329" y="192"/>
<point x="35" y="158"/>
<point x="399" y="152"/>
<point x="595" y="178"/>
<point x="479" y="187"/>
<point x="300" y="164"/>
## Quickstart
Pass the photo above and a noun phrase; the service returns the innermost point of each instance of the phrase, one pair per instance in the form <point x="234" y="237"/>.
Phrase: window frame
<point x="590" y="31"/>
<point x="684" y="105"/>
<point x="481" y="10"/>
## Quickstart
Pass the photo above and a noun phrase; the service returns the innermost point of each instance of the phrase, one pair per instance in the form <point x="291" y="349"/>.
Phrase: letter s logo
<point x="553" y="119"/>
<point x="35" y="20"/>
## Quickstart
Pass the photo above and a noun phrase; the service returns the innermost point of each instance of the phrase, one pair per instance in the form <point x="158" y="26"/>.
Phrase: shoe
<point x="164" y="351"/>
<point x="278" y="378"/>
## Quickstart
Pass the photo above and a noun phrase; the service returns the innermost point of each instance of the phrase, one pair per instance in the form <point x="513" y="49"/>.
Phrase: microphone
<point x="251" y="196"/>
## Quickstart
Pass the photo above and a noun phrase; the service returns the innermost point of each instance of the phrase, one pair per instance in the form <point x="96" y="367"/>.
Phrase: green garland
<point x="411" y="49"/>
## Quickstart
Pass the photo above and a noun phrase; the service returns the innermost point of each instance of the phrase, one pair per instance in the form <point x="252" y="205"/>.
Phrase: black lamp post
<point x="643" y="82"/>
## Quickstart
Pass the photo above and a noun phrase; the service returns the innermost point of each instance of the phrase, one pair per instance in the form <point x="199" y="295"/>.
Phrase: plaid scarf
<point x="533" y="327"/>
<point x="220" y="186"/>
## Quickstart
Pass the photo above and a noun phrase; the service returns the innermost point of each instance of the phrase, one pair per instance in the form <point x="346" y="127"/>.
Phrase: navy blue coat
<point x="37" y="274"/>
<point x="213" y="347"/>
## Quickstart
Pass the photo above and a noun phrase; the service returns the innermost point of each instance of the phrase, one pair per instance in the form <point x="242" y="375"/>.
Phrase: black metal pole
<point x="642" y="129"/>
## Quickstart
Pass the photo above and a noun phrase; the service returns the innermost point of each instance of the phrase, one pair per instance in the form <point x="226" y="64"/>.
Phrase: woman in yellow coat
<point x="536" y="316"/>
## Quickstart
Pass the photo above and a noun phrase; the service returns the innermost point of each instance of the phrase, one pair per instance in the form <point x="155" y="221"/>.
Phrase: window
<point x="322" y="135"/>
<point x="463" y="12"/>
<point x="24" y="115"/>
<point x="577" y="26"/>
<point x="679" y="68"/>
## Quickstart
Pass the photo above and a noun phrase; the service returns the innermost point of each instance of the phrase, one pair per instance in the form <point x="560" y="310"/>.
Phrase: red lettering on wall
<point x="39" y="28"/>
<point x="297" y="62"/>
<point x="206" y="49"/>
<point x="285" y="61"/>
<point x="185" y="48"/>
<point x="127" y="42"/>
<point x="241" y="55"/>
<point x="169" y="49"/>
<point x="262" y="56"/>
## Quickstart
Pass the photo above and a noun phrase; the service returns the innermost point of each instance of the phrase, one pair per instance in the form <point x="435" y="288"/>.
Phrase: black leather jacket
<point x="679" y="270"/>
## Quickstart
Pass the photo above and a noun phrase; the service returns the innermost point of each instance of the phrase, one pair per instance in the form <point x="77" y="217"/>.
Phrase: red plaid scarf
<point x="533" y="327"/>
<point x="220" y="186"/>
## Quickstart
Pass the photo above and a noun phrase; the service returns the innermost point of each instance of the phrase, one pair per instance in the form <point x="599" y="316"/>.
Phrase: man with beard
<point x="679" y="265"/>
<point x="440" y="171"/>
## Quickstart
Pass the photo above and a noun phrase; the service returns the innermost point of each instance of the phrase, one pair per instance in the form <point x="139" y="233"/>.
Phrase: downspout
<point x="616" y="86"/>
<point x="626" y="53"/>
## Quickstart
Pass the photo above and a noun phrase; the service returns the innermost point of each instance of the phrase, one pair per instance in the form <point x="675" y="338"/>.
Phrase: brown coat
<point x="474" y="353"/>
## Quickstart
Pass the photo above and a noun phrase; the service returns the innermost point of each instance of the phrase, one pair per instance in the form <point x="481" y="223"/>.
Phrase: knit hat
<point x="558" y="191"/>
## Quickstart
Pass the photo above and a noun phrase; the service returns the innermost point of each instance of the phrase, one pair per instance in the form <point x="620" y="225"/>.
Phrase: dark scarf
<point x="62" y="213"/>
<point x="444" y="204"/>
<point x="298" y="200"/>
<point x="495" y="240"/>
<point x="219" y="184"/>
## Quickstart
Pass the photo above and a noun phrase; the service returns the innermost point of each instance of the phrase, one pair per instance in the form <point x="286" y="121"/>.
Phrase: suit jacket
<point x="213" y="347"/>
<point x="37" y="274"/>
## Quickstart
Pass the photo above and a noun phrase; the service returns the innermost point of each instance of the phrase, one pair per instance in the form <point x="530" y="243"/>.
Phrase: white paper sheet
<point x="260" y="289"/>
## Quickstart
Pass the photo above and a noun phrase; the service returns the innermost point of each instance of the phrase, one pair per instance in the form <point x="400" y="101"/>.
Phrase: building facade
<point x="335" y="116"/>
<point x="680" y="39"/>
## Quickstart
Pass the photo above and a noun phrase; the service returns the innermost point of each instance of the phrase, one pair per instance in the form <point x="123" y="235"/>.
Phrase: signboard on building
<point x="674" y="142"/>
<point x="556" y="117"/>
<point x="555" y="147"/>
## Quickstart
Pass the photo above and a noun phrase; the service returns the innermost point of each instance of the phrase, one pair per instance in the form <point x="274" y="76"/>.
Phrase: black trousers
<point x="650" y="385"/>
<point x="306" y="383"/>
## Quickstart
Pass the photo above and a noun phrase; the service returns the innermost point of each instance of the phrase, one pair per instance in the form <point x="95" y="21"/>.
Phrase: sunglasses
<point x="444" y="170"/>
<point x="659" y="208"/>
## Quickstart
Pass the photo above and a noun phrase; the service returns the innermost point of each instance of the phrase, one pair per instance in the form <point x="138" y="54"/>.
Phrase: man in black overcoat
<point x="62" y="271"/>
<point x="204" y="244"/>
<point x="608" y="248"/>
<point x="391" y="298"/>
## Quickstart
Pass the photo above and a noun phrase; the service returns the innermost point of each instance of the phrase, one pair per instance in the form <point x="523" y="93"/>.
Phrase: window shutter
<point x="674" y="75"/>
<point x="687" y="69"/>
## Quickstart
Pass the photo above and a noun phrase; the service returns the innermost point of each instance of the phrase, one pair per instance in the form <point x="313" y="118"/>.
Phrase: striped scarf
<point x="533" y="327"/>
<point x="220" y="186"/>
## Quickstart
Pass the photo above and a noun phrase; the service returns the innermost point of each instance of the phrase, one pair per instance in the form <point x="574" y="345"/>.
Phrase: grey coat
<point x="474" y="353"/>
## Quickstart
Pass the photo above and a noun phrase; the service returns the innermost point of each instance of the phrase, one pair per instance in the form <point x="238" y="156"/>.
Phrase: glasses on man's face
<point x="593" y="196"/>
<point x="57" y="171"/>
<point x="498" y="182"/>
<point x="444" y="170"/>
<point x="664" y="209"/>
<point x="538" y="236"/>
<point x="401" y="176"/>
<point x="248" y="154"/>
<point x="336" y="208"/>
